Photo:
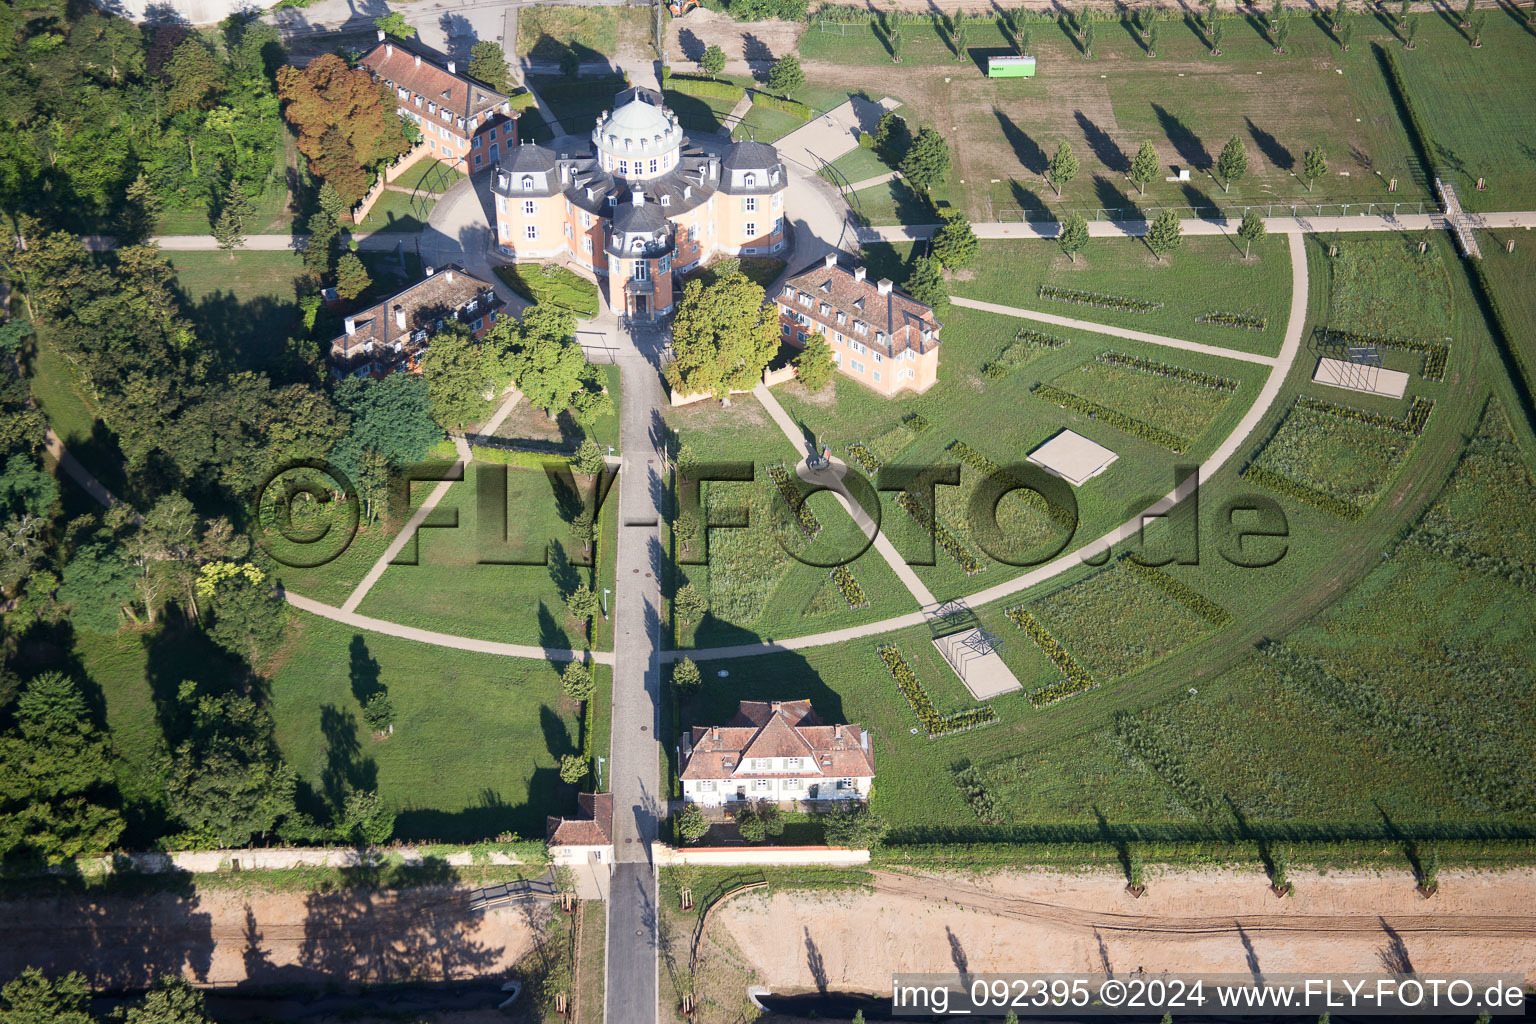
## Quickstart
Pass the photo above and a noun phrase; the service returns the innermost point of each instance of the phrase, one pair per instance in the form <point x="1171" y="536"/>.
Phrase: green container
<point x="1010" y="67"/>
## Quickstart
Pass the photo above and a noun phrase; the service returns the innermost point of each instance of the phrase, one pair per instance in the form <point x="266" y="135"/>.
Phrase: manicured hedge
<point x="1411" y="425"/>
<point x="783" y="106"/>
<point x="1075" y="678"/>
<point x="1242" y="321"/>
<point x="512" y="457"/>
<point x="863" y="456"/>
<point x="1099" y="300"/>
<point x="804" y="517"/>
<point x="928" y="717"/>
<point x="916" y="422"/>
<point x="915" y="508"/>
<point x="1181" y="592"/>
<point x="1304" y="494"/>
<point x="849" y="587"/>
<point x="1157" y="369"/>
<point x="1129" y="424"/>
<point x="979" y="462"/>
<point x="1436" y="354"/>
<point x="707" y="87"/>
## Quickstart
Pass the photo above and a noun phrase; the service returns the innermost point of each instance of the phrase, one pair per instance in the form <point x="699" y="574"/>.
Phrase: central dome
<point x="640" y="138"/>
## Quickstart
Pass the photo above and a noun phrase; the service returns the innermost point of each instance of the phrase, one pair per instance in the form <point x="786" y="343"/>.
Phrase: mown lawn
<point x="552" y="284"/>
<point x="395" y="211"/>
<point x="244" y="304"/>
<point x="438" y="176"/>
<point x="477" y="739"/>
<point x="764" y="125"/>
<point x="1204" y="275"/>
<point x="547" y="33"/>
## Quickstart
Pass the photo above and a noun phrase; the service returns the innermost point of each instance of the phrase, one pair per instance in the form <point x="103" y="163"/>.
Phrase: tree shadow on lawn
<point x="1273" y="149"/>
<point x="1034" y="208"/>
<point x="1110" y="196"/>
<point x="780" y="676"/>
<point x="1026" y="149"/>
<point x="1185" y="142"/>
<point x="346" y="769"/>
<point x="1106" y="149"/>
<point x="363" y="670"/>
<point x="492" y="816"/>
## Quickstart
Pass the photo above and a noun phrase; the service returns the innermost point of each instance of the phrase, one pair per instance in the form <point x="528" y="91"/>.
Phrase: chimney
<point x="381" y="35"/>
<point x="831" y="260"/>
<point x="714" y="167"/>
<point x="430" y="271"/>
<point x="714" y="733"/>
<point x="837" y="734"/>
<point x="858" y="274"/>
<point x="389" y="48"/>
<point x="351" y="325"/>
<point x="453" y="68"/>
<point x="883" y="286"/>
<point x="418" y="60"/>
<point x="399" y="316"/>
<point x="687" y="191"/>
<point x="778" y="706"/>
<point x="450" y="277"/>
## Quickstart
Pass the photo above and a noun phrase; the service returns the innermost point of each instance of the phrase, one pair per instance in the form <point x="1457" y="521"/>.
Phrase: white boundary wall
<point x="760" y="856"/>
<point x="209" y="861"/>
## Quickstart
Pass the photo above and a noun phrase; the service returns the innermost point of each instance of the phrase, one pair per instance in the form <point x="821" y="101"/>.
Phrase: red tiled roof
<point x="594" y="826"/>
<point x="432" y="82"/>
<point x="421" y="305"/>
<point x="899" y="315"/>
<point x="777" y="729"/>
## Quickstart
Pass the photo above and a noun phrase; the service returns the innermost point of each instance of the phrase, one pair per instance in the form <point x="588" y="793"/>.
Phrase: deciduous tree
<point x="685" y="677"/>
<point x="786" y="75"/>
<point x="813" y="364"/>
<point x="1250" y="231"/>
<point x="691" y="825"/>
<point x="576" y="680"/>
<point x="689" y="605"/>
<point x="1074" y="235"/>
<point x="926" y="163"/>
<point x="723" y="336"/>
<point x="713" y="61"/>
<point x="351" y="276"/>
<point x="573" y="768"/>
<point x="1314" y="165"/>
<point x="394" y="24"/>
<point x="455" y="376"/>
<point x="1144" y="167"/>
<point x="33" y="998"/>
<point x="346" y="125"/>
<point x="488" y="62"/>
<point x="1232" y="164"/>
<point x="1063" y="167"/>
<point x="925" y="283"/>
<point x="1165" y="234"/>
<point x="955" y="243"/>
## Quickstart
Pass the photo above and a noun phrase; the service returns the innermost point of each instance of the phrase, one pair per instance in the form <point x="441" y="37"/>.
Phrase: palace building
<point x="641" y="204"/>
<point x="464" y="123"/>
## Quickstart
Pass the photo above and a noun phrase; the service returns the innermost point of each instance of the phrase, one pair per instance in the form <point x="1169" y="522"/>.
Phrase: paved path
<point x="738" y="112"/>
<point x="78" y="473"/>
<point x="832" y="134"/>
<point x="1199" y="226"/>
<point x="1118" y="332"/>
<point x="1224" y="451"/>
<point x="634" y="755"/>
<point x="879" y="179"/>
<point x="420" y="516"/>
<point x="832" y="480"/>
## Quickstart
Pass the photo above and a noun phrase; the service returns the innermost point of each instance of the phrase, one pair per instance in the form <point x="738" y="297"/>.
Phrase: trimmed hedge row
<point x="1184" y="373"/>
<point x="952" y="547"/>
<point x="1019" y="351"/>
<point x="922" y="705"/>
<point x="1304" y="494"/>
<point x="849" y="587"/>
<point x="863" y="456"/>
<point x="1436" y="354"/>
<point x="915" y="422"/>
<point x="1181" y="592"/>
<point x="979" y="462"/>
<point x="1129" y="424"/>
<point x="1505" y="569"/>
<point x="1242" y="321"/>
<point x="513" y="457"/>
<point x="791" y="107"/>
<point x="804" y="517"/>
<point x="706" y="87"/>
<point x="1099" y="300"/>
<point x="1075" y="678"/>
<point x="1411" y="425"/>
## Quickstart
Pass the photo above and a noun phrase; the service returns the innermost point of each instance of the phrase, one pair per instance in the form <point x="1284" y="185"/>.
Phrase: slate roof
<point x="593" y="825"/>
<point x="777" y="729"/>
<point x="749" y="155"/>
<point x="466" y="97"/>
<point x="898" y="314"/>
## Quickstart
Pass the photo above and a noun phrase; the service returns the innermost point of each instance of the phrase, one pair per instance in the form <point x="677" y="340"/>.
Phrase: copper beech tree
<point x="346" y="122"/>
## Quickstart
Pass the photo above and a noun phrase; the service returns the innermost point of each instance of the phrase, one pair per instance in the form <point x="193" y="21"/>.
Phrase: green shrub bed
<point x="979" y="462"/>
<point x="1241" y="321"/>
<point x="1411" y="425"/>
<point x="973" y="787"/>
<point x="1129" y="424"/>
<point x="863" y="456"/>
<point x="1318" y="499"/>
<point x="1159" y="369"/>
<point x="1027" y="344"/>
<point x="1181" y="592"/>
<point x="1098" y="300"/>
<point x="916" y="422"/>
<point x="1436" y="354"/>
<point x="849" y="587"/>
<point x="914" y="507"/>
<point x="1075" y="678"/>
<point x="917" y="697"/>
<point x="783" y="106"/>
<point x="552" y="284"/>
<point x="710" y="88"/>
<point x="804" y="517"/>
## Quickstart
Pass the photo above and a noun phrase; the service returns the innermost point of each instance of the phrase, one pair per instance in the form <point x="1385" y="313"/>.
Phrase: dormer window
<point x="749" y="179"/>
<point x="527" y="183"/>
<point x="789" y="291"/>
<point x="637" y="245"/>
<point x="666" y="200"/>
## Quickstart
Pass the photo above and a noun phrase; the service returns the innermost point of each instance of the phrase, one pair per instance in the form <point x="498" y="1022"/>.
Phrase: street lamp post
<point x="605" y="603"/>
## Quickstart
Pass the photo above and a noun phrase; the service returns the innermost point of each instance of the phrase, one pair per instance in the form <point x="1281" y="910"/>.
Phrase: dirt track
<point x="271" y="938"/>
<point x="1186" y="922"/>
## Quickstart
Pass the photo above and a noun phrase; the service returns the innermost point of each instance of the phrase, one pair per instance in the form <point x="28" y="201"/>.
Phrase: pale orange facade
<point x="463" y="122"/>
<point x="879" y="336"/>
<point x="640" y="207"/>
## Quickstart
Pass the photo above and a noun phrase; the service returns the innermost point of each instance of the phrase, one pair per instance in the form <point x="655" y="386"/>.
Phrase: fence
<point x="1388" y="211"/>
<point x="758" y="856"/>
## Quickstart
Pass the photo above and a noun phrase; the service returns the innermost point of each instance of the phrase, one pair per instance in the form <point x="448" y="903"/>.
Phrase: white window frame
<point x="751" y="229"/>
<point x="532" y="232"/>
<point x="529" y="208"/>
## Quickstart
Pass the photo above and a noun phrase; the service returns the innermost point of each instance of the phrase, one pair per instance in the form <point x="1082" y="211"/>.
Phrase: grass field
<point x="438" y="176"/>
<point x="1205" y="274"/>
<point x="1352" y="461"/>
<point x="548" y="33"/>
<point x="244" y="305"/>
<point x="452" y="709"/>
<point x="1383" y="286"/>
<point x="395" y="211"/>
<point x="764" y="125"/>
<point x="1187" y="103"/>
<point x="1167" y="402"/>
<point x="456" y="588"/>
